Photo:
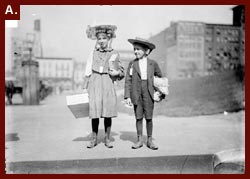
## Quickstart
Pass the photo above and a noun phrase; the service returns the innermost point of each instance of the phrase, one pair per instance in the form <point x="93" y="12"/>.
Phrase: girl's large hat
<point x="108" y="29"/>
<point x="143" y="42"/>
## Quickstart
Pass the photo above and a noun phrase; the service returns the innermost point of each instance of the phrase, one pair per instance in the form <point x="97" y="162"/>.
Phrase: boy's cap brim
<point x="143" y="42"/>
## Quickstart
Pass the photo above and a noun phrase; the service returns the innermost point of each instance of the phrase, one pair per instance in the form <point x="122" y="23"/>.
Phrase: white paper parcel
<point x="78" y="105"/>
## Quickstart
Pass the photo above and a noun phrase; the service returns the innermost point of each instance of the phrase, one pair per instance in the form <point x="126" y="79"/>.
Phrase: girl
<point x="102" y="69"/>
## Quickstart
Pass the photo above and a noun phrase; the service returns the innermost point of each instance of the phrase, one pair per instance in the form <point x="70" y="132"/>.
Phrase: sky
<point x="63" y="28"/>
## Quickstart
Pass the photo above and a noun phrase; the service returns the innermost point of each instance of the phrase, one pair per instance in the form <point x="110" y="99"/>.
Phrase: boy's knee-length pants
<point x="145" y="104"/>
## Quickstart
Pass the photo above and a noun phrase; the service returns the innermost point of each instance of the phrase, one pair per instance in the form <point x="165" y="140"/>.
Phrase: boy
<point x="139" y="89"/>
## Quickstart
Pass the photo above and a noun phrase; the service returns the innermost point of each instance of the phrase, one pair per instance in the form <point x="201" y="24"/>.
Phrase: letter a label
<point x="8" y="10"/>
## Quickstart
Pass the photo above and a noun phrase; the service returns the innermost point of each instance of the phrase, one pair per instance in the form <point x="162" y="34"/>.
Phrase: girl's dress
<point x="101" y="89"/>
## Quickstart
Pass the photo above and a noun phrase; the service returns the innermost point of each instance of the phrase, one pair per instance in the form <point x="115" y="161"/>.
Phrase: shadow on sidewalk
<point x="131" y="136"/>
<point x="10" y="137"/>
<point x="101" y="135"/>
<point x="14" y="104"/>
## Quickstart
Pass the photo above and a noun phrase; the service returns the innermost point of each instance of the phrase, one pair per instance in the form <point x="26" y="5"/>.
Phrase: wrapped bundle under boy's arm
<point x="161" y="84"/>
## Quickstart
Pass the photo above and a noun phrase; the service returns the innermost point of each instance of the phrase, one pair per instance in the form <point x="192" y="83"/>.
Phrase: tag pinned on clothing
<point x="101" y="69"/>
<point x="113" y="64"/>
<point x="131" y="71"/>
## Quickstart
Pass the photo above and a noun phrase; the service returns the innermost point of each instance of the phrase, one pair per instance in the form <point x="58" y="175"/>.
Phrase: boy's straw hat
<point x="142" y="41"/>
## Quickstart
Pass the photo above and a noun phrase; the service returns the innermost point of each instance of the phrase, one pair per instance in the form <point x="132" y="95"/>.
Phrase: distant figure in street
<point x="103" y="68"/>
<point x="41" y="90"/>
<point x="139" y="88"/>
<point x="9" y="90"/>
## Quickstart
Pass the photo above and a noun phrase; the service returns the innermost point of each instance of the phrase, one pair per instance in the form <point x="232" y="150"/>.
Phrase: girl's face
<point x="139" y="51"/>
<point x="102" y="40"/>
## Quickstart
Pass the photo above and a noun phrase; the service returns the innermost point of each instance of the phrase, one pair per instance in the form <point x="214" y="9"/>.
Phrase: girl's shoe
<point x="107" y="143"/>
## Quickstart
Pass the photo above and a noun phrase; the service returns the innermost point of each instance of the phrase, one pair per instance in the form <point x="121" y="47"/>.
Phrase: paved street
<point x="37" y="136"/>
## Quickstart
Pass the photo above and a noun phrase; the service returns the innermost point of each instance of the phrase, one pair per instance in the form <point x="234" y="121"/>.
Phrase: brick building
<point x="239" y="20"/>
<point x="188" y="49"/>
<point x="221" y="47"/>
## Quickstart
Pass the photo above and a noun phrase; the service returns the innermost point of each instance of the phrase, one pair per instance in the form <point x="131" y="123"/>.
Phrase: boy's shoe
<point x="138" y="144"/>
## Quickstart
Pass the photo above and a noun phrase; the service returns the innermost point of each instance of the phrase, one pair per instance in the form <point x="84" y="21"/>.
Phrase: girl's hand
<point x="113" y="72"/>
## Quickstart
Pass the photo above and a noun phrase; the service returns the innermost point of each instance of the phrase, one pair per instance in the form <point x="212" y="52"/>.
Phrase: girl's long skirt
<point x="102" y="96"/>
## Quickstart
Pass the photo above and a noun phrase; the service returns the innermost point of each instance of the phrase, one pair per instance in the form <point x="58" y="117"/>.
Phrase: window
<point x="198" y="46"/>
<point x="198" y="54"/>
<point x="181" y="45"/>
<point x="208" y="39"/>
<point x="236" y="32"/>
<point x="181" y="54"/>
<point x="200" y="29"/>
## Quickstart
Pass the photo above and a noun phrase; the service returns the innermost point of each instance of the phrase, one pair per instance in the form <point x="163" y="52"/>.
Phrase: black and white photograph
<point x="125" y="89"/>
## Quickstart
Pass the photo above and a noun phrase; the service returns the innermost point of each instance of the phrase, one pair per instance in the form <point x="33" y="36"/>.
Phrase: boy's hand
<point x="157" y="96"/>
<point x="128" y="102"/>
<point x="113" y="72"/>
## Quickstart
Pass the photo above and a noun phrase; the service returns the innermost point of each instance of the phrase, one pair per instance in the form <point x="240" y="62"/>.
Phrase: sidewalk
<point x="49" y="132"/>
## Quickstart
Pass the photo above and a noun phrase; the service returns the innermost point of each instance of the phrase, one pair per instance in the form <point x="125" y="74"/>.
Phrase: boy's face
<point x="102" y="40"/>
<point x="140" y="51"/>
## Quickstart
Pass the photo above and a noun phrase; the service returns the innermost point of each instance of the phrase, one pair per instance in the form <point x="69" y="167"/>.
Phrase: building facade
<point x="193" y="49"/>
<point x="78" y="75"/>
<point x="183" y="55"/>
<point x="56" y="72"/>
<point x="159" y="53"/>
<point x="189" y="49"/>
<point x="17" y="56"/>
<point x="221" y="47"/>
<point x="239" y="20"/>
